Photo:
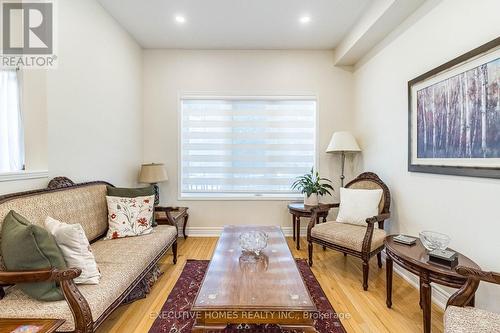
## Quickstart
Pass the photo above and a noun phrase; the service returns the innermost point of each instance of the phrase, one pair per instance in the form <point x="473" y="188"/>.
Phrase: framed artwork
<point x="454" y="116"/>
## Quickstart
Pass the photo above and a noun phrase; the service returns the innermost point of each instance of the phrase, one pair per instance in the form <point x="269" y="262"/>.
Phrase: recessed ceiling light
<point x="305" y="19"/>
<point x="180" y="19"/>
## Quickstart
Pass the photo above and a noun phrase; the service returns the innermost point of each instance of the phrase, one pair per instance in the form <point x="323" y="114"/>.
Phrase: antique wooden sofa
<point x="125" y="263"/>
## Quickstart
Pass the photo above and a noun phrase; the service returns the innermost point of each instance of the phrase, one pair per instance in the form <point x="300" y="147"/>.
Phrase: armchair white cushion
<point x="356" y="205"/>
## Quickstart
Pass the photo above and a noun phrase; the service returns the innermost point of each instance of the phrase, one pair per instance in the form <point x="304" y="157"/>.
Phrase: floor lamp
<point x="342" y="142"/>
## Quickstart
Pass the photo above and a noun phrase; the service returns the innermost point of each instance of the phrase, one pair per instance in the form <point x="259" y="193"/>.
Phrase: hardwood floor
<point x="339" y="276"/>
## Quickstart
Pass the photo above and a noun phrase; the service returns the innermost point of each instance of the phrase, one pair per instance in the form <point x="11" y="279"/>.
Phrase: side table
<point x="177" y="214"/>
<point x="298" y="210"/>
<point x="45" y="325"/>
<point x="415" y="258"/>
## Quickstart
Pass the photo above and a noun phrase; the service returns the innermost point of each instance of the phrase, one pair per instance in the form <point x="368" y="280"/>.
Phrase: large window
<point x="11" y="126"/>
<point x="245" y="146"/>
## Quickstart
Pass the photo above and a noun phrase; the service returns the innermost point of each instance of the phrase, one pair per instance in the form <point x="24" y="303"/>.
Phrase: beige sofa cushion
<point x="470" y="320"/>
<point x="121" y="261"/>
<point x="347" y="235"/>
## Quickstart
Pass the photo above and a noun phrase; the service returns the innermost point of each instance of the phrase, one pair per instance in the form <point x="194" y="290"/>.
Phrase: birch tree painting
<point x="460" y="117"/>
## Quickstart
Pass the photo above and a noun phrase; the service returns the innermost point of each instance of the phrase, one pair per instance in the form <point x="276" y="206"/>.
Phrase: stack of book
<point x="407" y="240"/>
<point x="446" y="258"/>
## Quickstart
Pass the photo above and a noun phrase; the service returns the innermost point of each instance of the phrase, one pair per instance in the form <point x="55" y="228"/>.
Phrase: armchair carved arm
<point x="464" y="295"/>
<point x="378" y="218"/>
<point x="77" y="303"/>
<point x="367" y="240"/>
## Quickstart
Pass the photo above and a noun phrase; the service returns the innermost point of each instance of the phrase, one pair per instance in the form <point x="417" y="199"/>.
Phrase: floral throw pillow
<point x="129" y="216"/>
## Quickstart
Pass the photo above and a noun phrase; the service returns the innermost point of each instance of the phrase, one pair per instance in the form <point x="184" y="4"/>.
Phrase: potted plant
<point x="312" y="185"/>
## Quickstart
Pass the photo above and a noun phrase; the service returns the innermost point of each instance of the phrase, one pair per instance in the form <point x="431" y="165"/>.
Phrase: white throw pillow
<point x="75" y="248"/>
<point x="358" y="205"/>
<point x="130" y="216"/>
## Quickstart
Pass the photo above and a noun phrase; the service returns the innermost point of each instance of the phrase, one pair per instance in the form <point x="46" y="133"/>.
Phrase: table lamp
<point x="342" y="142"/>
<point x="153" y="174"/>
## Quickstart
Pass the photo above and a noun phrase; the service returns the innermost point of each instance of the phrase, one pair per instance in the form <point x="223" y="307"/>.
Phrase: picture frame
<point x="454" y="116"/>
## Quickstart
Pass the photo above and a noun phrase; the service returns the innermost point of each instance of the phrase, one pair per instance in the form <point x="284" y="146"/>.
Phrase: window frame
<point x="26" y="172"/>
<point x="241" y="196"/>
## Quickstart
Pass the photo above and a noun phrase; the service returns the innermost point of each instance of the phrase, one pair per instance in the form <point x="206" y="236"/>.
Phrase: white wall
<point x="169" y="73"/>
<point x="467" y="209"/>
<point x="94" y="101"/>
<point x="95" y="97"/>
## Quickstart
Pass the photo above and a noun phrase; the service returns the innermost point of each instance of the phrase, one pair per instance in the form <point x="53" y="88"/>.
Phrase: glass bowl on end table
<point x="434" y="240"/>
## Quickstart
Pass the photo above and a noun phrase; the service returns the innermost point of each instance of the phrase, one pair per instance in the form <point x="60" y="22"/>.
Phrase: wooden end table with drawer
<point x="177" y="214"/>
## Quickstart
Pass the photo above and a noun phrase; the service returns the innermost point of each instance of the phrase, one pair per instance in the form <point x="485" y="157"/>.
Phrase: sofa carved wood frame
<point x="76" y="301"/>
<point x="465" y="295"/>
<point x="365" y="253"/>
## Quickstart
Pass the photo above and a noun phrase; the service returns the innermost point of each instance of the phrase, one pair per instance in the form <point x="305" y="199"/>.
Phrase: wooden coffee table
<point x="244" y="289"/>
<point x="414" y="259"/>
<point x="44" y="325"/>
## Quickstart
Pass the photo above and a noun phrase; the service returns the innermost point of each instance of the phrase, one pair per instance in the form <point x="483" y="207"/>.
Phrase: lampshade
<point x="153" y="173"/>
<point x="342" y="141"/>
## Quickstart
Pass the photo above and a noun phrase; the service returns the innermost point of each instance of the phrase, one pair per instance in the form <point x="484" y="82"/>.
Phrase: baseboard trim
<point x="216" y="231"/>
<point x="439" y="295"/>
<point x="203" y="231"/>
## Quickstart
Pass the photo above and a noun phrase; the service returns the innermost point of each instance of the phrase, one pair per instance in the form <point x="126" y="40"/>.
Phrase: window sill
<point x="235" y="197"/>
<point x="21" y="175"/>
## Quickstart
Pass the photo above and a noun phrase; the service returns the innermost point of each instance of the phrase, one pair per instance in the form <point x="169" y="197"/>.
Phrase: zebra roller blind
<point x="245" y="146"/>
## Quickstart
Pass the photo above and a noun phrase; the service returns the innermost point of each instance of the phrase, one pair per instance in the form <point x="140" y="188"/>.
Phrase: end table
<point x="415" y="258"/>
<point x="177" y="214"/>
<point x="298" y="210"/>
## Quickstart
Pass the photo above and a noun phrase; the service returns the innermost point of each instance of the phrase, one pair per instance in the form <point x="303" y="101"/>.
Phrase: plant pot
<point x="322" y="199"/>
<point x="312" y="200"/>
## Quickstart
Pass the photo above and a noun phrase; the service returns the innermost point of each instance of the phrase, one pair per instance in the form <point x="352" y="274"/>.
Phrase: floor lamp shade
<point x="342" y="141"/>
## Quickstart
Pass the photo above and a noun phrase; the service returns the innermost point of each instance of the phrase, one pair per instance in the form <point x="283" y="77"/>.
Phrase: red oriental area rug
<point x="175" y="316"/>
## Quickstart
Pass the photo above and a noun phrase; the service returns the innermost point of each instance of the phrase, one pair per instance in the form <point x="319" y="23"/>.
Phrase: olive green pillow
<point x="132" y="193"/>
<point x="29" y="247"/>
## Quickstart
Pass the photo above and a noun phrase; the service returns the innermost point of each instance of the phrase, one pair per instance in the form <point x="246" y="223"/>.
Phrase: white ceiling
<point x="237" y="24"/>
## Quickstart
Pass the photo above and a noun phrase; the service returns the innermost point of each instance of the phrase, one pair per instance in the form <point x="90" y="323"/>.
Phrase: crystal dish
<point x="434" y="240"/>
<point x="253" y="241"/>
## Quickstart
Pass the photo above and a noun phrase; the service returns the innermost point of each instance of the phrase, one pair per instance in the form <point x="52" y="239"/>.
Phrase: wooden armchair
<point x="458" y="317"/>
<point x="359" y="241"/>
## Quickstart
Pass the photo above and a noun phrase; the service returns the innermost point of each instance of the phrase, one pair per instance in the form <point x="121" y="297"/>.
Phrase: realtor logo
<point x="27" y="34"/>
